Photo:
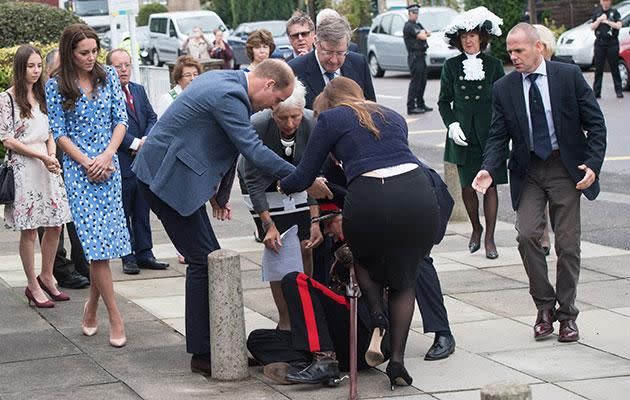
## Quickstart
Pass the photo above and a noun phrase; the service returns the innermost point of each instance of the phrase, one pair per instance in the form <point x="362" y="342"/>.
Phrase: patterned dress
<point x="96" y="207"/>
<point x="40" y="198"/>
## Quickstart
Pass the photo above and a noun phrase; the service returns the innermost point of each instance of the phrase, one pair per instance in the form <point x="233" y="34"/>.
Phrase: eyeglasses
<point x="297" y="35"/>
<point x="190" y="75"/>
<point x="121" y="66"/>
<point x="330" y="53"/>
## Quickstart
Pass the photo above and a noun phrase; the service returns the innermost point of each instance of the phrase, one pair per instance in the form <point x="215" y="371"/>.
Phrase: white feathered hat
<point x="479" y="18"/>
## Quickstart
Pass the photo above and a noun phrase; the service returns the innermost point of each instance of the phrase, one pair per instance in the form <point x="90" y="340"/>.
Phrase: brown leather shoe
<point x="568" y="331"/>
<point x="544" y="324"/>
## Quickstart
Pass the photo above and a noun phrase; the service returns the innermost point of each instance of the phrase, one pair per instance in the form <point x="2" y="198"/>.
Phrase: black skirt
<point x="390" y="225"/>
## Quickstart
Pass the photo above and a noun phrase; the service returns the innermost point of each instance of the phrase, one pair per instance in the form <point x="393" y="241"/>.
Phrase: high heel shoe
<point x="31" y="298"/>
<point x="118" y="343"/>
<point x="374" y="355"/>
<point x="87" y="330"/>
<point x="56" y="297"/>
<point x="473" y="245"/>
<point x="397" y="374"/>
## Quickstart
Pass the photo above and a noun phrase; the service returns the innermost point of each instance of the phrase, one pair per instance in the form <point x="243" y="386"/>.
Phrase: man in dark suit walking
<point x="141" y="120"/>
<point x="544" y="108"/>
<point x="331" y="59"/>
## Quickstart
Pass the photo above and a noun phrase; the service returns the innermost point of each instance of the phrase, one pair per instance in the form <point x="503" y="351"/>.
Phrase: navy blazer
<point x="140" y="123"/>
<point x="190" y="154"/>
<point x="575" y="110"/>
<point x="355" y="67"/>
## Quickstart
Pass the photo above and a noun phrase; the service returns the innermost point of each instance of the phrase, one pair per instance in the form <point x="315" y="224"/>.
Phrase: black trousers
<point x="320" y="321"/>
<point x="418" y="68"/>
<point x="63" y="266"/>
<point x="137" y="213"/>
<point x="605" y="53"/>
<point x="194" y="239"/>
<point x="430" y="299"/>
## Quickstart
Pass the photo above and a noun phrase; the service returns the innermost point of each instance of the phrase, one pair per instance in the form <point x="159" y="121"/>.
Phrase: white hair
<point x="325" y="13"/>
<point x="296" y="100"/>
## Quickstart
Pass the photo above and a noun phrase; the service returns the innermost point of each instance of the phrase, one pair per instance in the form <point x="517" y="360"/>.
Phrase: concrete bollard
<point x="227" y="321"/>
<point x="506" y="391"/>
<point x="452" y="180"/>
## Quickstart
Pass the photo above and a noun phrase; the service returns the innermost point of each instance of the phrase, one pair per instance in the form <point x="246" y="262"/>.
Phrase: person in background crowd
<point x="185" y="70"/>
<point x="83" y="87"/>
<point x="465" y="107"/>
<point x="196" y="45"/>
<point x="141" y="118"/>
<point x="286" y="131"/>
<point x="259" y="47"/>
<point x="558" y="136"/>
<point x="221" y="49"/>
<point x="330" y="13"/>
<point x="415" y="36"/>
<point x="70" y="273"/>
<point x="606" y="24"/>
<point x="40" y="198"/>
<point x="301" y="32"/>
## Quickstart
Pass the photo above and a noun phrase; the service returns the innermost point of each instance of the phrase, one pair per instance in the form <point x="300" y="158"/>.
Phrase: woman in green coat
<point x="465" y="104"/>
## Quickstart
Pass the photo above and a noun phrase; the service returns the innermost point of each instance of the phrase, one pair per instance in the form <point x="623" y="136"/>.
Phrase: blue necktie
<point x="540" y="129"/>
<point x="329" y="75"/>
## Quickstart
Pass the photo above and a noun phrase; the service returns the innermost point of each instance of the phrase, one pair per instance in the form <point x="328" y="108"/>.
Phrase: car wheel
<point x="155" y="58"/>
<point x="375" y="69"/>
<point x="625" y="74"/>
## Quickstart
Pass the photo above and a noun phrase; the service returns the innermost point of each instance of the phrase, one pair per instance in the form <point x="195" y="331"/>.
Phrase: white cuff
<point x="135" y="144"/>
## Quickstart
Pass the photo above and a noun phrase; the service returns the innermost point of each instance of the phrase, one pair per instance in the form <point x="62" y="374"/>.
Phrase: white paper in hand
<point x="288" y="259"/>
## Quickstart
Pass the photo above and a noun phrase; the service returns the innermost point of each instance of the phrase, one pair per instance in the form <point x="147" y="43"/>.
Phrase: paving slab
<point x="615" y="266"/>
<point x="592" y="250"/>
<point x="141" y="288"/>
<point x="70" y="371"/>
<point x="622" y="310"/>
<point x="18" y="317"/>
<point x="108" y="391"/>
<point x="606" y="331"/>
<point x="164" y="307"/>
<point x="252" y="279"/>
<point x="19" y="346"/>
<point x="412" y="397"/>
<point x="507" y="256"/>
<point x="156" y="362"/>
<point x="609" y="294"/>
<point x="178" y="324"/>
<point x="475" y="280"/>
<point x="261" y="301"/>
<point x="543" y="391"/>
<point x="571" y="361"/>
<point x="615" y="388"/>
<point x="458" y="312"/>
<point x="119" y="276"/>
<point x="517" y="273"/>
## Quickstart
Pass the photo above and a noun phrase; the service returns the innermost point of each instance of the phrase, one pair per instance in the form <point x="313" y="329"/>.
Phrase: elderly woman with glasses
<point x="285" y="130"/>
<point x="186" y="69"/>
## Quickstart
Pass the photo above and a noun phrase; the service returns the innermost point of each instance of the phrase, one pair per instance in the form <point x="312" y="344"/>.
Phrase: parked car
<point x="168" y="31"/>
<point x="238" y="38"/>
<point x="624" y="59"/>
<point x="578" y="43"/>
<point x="386" y="48"/>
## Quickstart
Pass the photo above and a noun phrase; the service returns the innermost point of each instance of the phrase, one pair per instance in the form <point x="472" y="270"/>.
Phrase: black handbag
<point x="7" y="181"/>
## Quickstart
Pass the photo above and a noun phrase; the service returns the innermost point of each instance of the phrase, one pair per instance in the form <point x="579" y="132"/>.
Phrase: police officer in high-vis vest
<point x="415" y="36"/>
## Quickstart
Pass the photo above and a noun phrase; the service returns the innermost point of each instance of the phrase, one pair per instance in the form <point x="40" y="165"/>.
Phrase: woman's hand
<point x="101" y="167"/>
<point x="316" y="236"/>
<point x="221" y="213"/>
<point x="52" y="164"/>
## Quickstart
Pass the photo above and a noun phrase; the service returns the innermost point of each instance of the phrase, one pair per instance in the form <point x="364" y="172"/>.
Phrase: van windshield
<point x="208" y="23"/>
<point x="87" y="8"/>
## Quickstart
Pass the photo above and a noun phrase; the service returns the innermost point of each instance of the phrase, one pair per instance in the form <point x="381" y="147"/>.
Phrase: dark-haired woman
<point x="466" y="109"/>
<point x="40" y="198"/>
<point x="87" y="115"/>
<point x="390" y="214"/>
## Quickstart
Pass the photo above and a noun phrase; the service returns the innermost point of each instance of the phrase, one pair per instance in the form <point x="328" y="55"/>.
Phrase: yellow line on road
<point x="427" y="131"/>
<point x="617" y="158"/>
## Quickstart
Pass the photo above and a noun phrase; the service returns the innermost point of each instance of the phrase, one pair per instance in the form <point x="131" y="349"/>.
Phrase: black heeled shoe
<point x="374" y="355"/>
<point x="472" y="245"/>
<point x="398" y="374"/>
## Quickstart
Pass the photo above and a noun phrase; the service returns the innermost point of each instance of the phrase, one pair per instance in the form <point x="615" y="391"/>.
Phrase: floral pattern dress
<point x="96" y="207"/>
<point x="40" y="197"/>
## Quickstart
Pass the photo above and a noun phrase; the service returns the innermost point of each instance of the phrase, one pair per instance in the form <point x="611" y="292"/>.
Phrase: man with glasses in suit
<point x="301" y="32"/>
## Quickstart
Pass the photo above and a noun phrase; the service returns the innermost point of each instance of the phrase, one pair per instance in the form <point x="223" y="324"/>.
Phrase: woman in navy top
<point x="390" y="214"/>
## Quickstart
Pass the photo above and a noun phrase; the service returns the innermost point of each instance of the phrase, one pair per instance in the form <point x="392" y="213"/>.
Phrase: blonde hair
<point x="548" y="39"/>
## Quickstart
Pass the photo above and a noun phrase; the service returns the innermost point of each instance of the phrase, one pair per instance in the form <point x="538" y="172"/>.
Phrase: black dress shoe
<point x="568" y="331"/>
<point x="620" y="95"/>
<point x="200" y="364"/>
<point x="425" y="108"/>
<point x="325" y="370"/>
<point x="74" y="280"/>
<point x="492" y="254"/>
<point x="443" y="346"/>
<point x="415" y="111"/>
<point x="544" y="324"/>
<point x="152" y="263"/>
<point x="131" y="268"/>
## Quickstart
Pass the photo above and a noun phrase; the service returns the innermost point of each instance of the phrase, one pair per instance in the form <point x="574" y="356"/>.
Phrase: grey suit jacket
<point x="256" y="182"/>
<point x="190" y="153"/>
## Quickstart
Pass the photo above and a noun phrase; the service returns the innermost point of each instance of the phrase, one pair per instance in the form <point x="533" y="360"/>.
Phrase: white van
<point x="168" y="31"/>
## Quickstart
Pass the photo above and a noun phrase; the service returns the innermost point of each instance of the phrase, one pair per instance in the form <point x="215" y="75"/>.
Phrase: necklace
<point x="288" y="145"/>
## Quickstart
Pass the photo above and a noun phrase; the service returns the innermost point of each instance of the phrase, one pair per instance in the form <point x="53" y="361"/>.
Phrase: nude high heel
<point x="87" y="330"/>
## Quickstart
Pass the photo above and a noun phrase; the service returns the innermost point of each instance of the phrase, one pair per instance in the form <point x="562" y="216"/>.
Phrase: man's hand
<point x="316" y="236"/>
<point x="589" y="178"/>
<point x="272" y="239"/>
<point x="319" y="190"/>
<point x="456" y="133"/>
<point x="221" y="213"/>
<point x="482" y="181"/>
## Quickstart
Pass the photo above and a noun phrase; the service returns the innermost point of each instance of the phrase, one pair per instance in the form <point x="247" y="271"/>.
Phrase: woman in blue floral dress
<point x="87" y="115"/>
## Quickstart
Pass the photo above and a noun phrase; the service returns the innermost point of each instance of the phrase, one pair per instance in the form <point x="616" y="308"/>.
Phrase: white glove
<point x="455" y="132"/>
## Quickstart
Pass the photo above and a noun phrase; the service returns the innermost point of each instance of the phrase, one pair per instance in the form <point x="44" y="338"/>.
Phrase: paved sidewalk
<point x="43" y="354"/>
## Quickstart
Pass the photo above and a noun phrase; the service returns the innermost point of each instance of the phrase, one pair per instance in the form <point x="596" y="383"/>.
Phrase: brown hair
<point x="257" y="39"/>
<point x="277" y="70"/>
<point x="67" y="73"/>
<point x="20" y="62"/>
<point x="484" y="39"/>
<point x="299" y="18"/>
<point x="184" y="61"/>
<point x="343" y="91"/>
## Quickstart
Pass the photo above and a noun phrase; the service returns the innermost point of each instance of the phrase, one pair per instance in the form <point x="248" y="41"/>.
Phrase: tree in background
<point x="234" y="12"/>
<point x="511" y="11"/>
<point x="358" y="12"/>
<point x="146" y="10"/>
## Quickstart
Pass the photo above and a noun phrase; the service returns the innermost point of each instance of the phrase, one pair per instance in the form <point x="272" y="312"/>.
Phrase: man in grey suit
<point x="545" y="108"/>
<point x="190" y="158"/>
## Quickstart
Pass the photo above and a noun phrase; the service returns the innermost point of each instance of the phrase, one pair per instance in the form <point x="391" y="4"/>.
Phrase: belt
<point x="554" y="154"/>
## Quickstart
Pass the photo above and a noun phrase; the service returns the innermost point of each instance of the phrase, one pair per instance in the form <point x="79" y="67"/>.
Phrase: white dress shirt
<point x="543" y="86"/>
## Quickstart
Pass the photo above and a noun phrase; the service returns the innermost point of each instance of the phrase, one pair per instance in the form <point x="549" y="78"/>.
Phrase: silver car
<point x="578" y="43"/>
<point x="386" y="47"/>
